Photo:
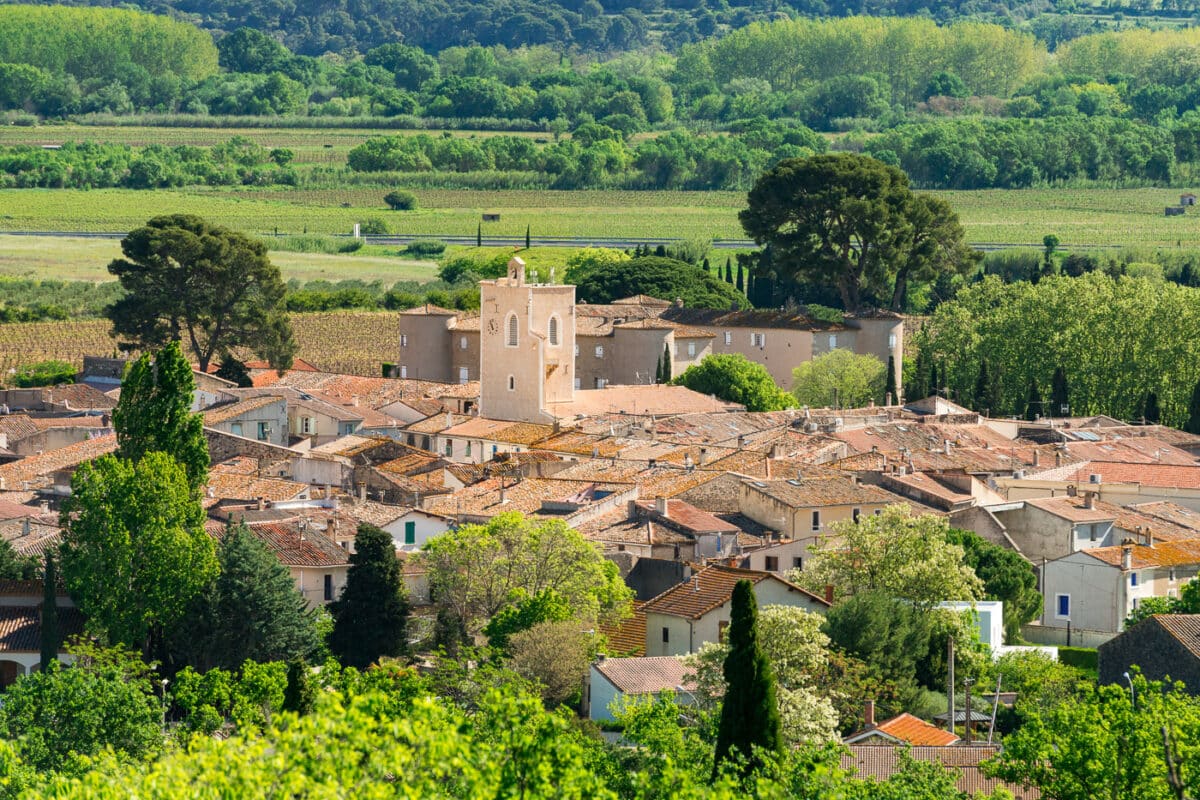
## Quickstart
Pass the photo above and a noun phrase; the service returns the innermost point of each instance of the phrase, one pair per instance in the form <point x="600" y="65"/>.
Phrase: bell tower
<point x="526" y="347"/>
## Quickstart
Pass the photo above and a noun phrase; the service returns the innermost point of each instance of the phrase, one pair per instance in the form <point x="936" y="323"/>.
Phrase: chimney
<point x="25" y="526"/>
<point x="1126" y="558"/>
<point x="1089" y="500"/>
<point x="767" y="467"/>
<point x="799" y="475"/>
<point x="703" y="455"/>
<point x="208" y="492"/>
<point x="631" y="509"/>
<point x="1072" y="490"/>
<point x="660" y="507"/>
<point x="1037" y="458"/>
<point x="44" y="506"/>
<point x="362" y="492"/>
<point x="503" y="494"/>
<point x="449" y="419"/>
<point x="776" y="451"/>
<point x="829" y="593"/>
<point x="262" y="503"/>
<point x="946" y="446"/>
<point x="741" y="441"/>
<point x="1149" y="536"/>
<point x="696" y="582"/>
<point x="354" y="401"/>
<point x="652" y="463"/>
<point x="3" y="440"/>
<point x="869" y="714"/>
<point x="1058" y="459"/>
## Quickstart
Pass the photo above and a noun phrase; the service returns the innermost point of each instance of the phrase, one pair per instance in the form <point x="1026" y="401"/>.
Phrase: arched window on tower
<point x="511" y="328"/>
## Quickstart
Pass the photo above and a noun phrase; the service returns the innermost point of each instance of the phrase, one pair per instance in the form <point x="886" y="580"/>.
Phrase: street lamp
<point x="1132" y="692"/>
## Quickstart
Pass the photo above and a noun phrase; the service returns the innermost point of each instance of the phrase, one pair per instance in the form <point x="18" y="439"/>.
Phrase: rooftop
<point x="646" y="400"/>
<point x="880" y="763"/>
<point x="910" y="730"/>
<point x="629" y="635"/>
<point x="815" y="492"/>
<point x="218" y="414"/>
<point x="646" y="675"/>
<point x="528" y="496"/>
<point x="1074" y="509"/>
<point x="39" y="466"/>
<point x="710" y="588"/>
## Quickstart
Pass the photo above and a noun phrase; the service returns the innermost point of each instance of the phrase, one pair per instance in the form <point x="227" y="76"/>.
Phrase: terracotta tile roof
<point x="88" y="421"/>
<point x="21" y="627"/>
<point x="437" y="423"/>
<point x="713" y="318"/>
<point x="710" y="588"/>
<point x="1169" y="512"/>
<point x="687" y="516"/>
<point x="429" y="309"/>
<point x="78" y="396"/>
<point x="524" y="433"/>
<point x="371" y="392"/>
<point x="640" y="399"/>
<point x="219" y="414"/>
<point x="527" y="496"/>
<point x="11" y="510"/>
<point x="17" y="427"/>
<point x="646" y="675"/>
<point x="927" y="484"/>
<point x="881" y="762"/>
<point x="1131" y="450"/>
<point x="642" y="300"/>
<point x="815" y="492"/>
<point x="33" y="468"/>
<point x="1074" y="510"/>
<point x="40" y="536"/>
<point x="1157" y="475"/>
<point x="1184" y="628"/>
<point x="580" y="443"/>
<point x="294" y="548"/>
<point x="373" y="513"/>
<point x="616" y="528"/>
<point x="466" y="323"/>
<point x="350" y="445"/>
<point x="224" y="485"/>
<point x="1162" y="554"/>
<point x="911" y="730"/>
<point x="917" y="436"/>
<point x="627" y="637"/>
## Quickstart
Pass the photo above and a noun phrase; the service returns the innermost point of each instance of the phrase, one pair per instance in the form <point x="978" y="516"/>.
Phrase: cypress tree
<point x="479" y="235"/>
<point x="1060" y="394"/>
<point x="1033" y="406"/>
<point x="740" y="283"/>
<point x="666" y="362"/>
<point x="983" y="389"/>
<point x="527" y="240"/>
<point x="728" y="271"/>
<point x="750" y="711"/>
<point x="50" y="633"/>
<point x="1193" y="421"/>
<point x="1150" y="412"/>
<point x="661" y="251"/>
<point x="707" y="266"/>
<point x="934" y="389"/>
<point x="300" y="695"/>
<point x="889" y="388"/>
<point x="751" y="289"/>
<point x="370" y="619"/>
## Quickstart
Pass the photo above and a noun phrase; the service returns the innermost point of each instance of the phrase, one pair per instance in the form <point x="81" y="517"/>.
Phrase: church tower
<point x="526" y="347"/>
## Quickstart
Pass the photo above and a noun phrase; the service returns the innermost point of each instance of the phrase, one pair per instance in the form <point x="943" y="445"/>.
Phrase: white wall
<point x="425" y="527"/>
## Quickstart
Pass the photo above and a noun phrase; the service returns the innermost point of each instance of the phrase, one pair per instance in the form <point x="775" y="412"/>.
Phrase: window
<point x="462" y="343"/>
<point x="1171" y="575"/>
<point x="306" y="424"/>
<point x="855" y="514"/>
<point x="449" y="448"/>
<point x="512" y="383"/>
<point x="797" y="562"/>
<point x="236" y="429"/>
<point x="691" y="349"/>
<point x="495" y="448"/>
<point x="728" y="337"/>
<point x="347" y="428"/>
<point x="891" y="340"/>
<point x="599" y="351"/>
<point x="758" y="339"/>
<point x="511" y="327"/>
<point x="677" y="349"/>
<point x="666" y="635"/>
<point x="403" y="371"/>
<point x="577" y="351"/>
<point x="1062" y="604"/>
<point x="722" y="627"/>
<point x="579" y="383"/>
<point x="404" y="340"/>
<point x="410" y="533"/>
<point x="467" y="452"/>
<point x="832" y="341"/>
<point x="878" y="511"/>
<point x="464" y="374"/>
<point x="553" y="331"/>
<point x="264" y="430"/>
<point x="328" y="588"/>
<point x="772" y="564"/>
<point x="1133" y="579"/>
<point x="816" y="520"/>
<point x="601" y="383"/>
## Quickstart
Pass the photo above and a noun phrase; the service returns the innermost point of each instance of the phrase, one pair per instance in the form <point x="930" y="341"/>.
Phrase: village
<point x="544" y="407"/>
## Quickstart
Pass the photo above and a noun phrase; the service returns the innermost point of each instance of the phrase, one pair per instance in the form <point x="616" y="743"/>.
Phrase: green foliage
<point x="545" y="606"/>
<point x="1025" y="331"/>
<point x="1188" y="602"/>
<point x="554" y="655"/>
<point x="44" y="373"/>
<point x="301" y="694"/>
<point x="1083" y="658"/>
<point x="750" y="727"/>
<point x="425" y="248"/>
<point x="664" y="278"/>
<point x="1006" y="576"/>
<point x="252" y="611"/>
<point x="370" y="619"/>
<point x="231" y="369"/>
<point x="374" y="226"/>
<point x="51" y="637"/>
<point x="134" y="550"/>
<point x="213" y="287"/>
<point x="400" y="200"/>
<point x="248" y="698"/>
<point x="16" y="567"/>
<point x="63" y="716"/>
<point x="736" y="379"/>
<point x="1038" y="679"/>
<point x="839" y="379"/>
<point x="477" y="571"/>
<point x="154" y="413"/>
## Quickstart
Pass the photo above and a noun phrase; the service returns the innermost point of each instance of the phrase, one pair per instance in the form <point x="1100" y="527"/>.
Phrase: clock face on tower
<point x="493" y="326"/>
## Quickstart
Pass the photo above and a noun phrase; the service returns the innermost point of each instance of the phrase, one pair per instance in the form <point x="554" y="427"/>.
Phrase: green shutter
<point x="410" y="533"/>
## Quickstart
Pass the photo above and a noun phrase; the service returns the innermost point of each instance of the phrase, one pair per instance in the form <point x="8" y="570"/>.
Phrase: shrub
<point x="400" y="200"/>
<point x="425" y="248"/>
<point x="45" y="373"/>
<point x="374" y="227"/>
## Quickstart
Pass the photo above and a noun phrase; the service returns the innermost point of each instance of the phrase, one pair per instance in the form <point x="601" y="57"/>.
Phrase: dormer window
<point x="511" y="331"/>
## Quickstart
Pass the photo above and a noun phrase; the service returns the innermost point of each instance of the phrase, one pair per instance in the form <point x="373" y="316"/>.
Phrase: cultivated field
<point x="1079" y="217"/>
<point x="355" y="342"/>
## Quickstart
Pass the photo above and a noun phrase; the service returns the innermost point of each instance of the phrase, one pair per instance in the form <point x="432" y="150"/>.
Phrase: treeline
<point x="600" y="156"/>
<point x="92" y="165"/>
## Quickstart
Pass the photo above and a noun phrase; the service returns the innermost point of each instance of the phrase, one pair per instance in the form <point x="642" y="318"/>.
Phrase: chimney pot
<point x="696" y="583"/>
<point x="1058" y="459"/>
<point x="45" y="506"/>
<point x="660" y="506"/>
<point x="262" y="503"/>
<point x="1089" y="500"/>
<point x="25" y="527"/>
<point x="1126" y="558"/>
<point x="946" y="446"/>
<point x="1037" y="458"/>
<point x="869" y="714"/>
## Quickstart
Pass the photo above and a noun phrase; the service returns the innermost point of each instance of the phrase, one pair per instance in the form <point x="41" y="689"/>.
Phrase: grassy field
<point x="87" y="259"/>
<point x="1079" y="217"/>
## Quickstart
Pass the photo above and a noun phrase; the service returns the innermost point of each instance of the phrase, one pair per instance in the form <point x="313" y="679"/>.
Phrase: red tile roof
<point x="21" y="627"/>
<point x="646" y="675"/>
<point x="628" y="637"/>
<point x="1157" y="475"/>
<point x="880" y="763"/>
<point x="296" y="548"/>
<point x="710" y="588"/>
<point x="34" y="467"/>
<point x="911" y="730"/>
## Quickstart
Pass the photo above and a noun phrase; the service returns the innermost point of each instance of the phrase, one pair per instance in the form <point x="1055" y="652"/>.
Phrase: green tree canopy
<point x="211" y="287"/>
<point x="898" y="553"/>
<point x="251" y="611"/>
<point x="750" y="726"/>
<point x="656" y="276"/>
<point x="154" y="413"/>
<point x="370" y="619"/>
<point x="478" y="570"/>
<point x="839" y="377"/>
<point x="736" y="379"/>
<point x="134" y="550"/>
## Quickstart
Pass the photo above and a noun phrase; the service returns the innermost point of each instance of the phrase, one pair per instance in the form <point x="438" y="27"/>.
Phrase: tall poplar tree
<point x="1193" y="421"/>
<point x="889" y="386"/>
<point x="983" y="390"/>
<point x="1060" y="394"/>
<point x="51" y="637"/>
<point x="750" y="723"/>
<point x="1150" y="410"/>
<point x="1033" y="405"/>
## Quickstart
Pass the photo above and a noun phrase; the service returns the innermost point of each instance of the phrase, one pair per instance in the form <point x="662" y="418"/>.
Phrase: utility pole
<point x="950" y="682"/>
<point x="967" y="683"/>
